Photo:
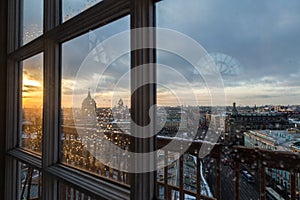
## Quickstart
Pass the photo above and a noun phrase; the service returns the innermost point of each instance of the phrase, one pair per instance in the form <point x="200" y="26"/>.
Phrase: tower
<point x="88" y="110"/>
<point x="88" y="106"/>
<point x="234" y="110"/>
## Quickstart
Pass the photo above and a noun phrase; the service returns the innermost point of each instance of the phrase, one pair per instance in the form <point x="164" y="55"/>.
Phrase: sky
<point x="254" y="43"/>
<point x="32" y="82"/>
<point x="262" y="36"/>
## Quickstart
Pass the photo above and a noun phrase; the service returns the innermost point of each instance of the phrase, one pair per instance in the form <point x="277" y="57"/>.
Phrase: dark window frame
<point x="142" y="14"/>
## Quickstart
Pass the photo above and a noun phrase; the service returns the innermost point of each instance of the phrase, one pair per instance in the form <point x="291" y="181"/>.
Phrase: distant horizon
<point x="237" y="105"/>
<point x="108" y="102"/>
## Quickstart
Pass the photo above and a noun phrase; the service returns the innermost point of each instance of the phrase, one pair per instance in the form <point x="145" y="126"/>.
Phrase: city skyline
<point x="265" y="49"/>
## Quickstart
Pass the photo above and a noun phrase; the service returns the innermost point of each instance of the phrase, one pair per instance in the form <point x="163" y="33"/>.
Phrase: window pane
<point x="32" y="103"/>
<point x="32" y="20"/>
<point x="30" y="182"/>
<point x="72" y="8"/>
<point x="69" y="193"/>
<point x="95" y="102"/>
<point x="253" y="46"/>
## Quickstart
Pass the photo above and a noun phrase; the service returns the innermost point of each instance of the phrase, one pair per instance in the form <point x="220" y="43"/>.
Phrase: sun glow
<point x="32" y="93"/>
<point x="32" y="83"/>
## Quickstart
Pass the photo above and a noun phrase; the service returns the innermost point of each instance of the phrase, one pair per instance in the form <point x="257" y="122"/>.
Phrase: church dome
<point x="88" y="104"/>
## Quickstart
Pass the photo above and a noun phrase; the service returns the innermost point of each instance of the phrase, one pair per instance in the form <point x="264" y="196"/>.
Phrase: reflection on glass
<point x="173" y="165"/>
<point x="190" y="174"/>
<point x="32" y="103"/>
<point x="95" y="103"/>
<point x="32" y="24"/>
<point x="30" y="182"/>
<point x="72" y="8"/>
<point x="254" y="46"/>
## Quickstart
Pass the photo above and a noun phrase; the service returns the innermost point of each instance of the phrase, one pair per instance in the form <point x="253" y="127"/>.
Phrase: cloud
<point x="262" y="35"/>
<point x="246" y="30"/>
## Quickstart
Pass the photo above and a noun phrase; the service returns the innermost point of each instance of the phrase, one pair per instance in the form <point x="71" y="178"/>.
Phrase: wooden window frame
<point x="142" y="14"/>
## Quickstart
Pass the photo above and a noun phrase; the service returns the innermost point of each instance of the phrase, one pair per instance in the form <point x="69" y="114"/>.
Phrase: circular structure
<point x="226" y="64"/>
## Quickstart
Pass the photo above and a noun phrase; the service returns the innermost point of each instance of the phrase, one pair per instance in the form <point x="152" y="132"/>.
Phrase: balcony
<point x="262" y="159"/>
<point x="206" y="177"/>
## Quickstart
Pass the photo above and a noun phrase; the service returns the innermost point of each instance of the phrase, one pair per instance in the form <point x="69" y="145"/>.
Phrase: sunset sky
<point x="261" y="37"/>
<point x="32" y="82"/>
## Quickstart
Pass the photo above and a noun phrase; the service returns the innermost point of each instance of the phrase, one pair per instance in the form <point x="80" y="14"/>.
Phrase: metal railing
<point x="194" y="149"/>
<point x="77" y="155"/>
<point x="241" y="155"/>
<point x="263" y="159"/>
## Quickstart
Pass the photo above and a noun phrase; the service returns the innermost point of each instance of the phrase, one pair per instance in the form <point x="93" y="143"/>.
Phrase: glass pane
<point x="96" y="102"/>
<point x="32" y="20"/>
<point x="161" y="192"/>
<point x="253" y="48"/>
<point x="32" y="103"/>
<point x="69" y="193"/>
<point x="72" y="8"/>
<point x="30" y="182"/>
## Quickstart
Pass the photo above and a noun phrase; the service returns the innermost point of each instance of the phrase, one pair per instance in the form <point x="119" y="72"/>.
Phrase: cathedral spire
<point x="120" y="103"/>
<point x="234" y="110"/>
<point x="89" y="93"/>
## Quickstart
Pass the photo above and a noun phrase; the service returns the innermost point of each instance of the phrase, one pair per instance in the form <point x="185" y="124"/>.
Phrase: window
<point x="251" y="45"/>
<point x="30" y="182"/>
<point x="46" y="48"/>
<point x="67" y="192"/>
<point x="72" y="8"/>
<point x="93" y="92"/>
<point x="31" y="20"/>
<point x="32" y="103"/>
<point x="95" y="105"/>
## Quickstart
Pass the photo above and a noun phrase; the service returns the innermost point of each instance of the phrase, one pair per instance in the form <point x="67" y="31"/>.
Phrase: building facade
<point x="275" y="140"/>
<point x="237" y="123"/>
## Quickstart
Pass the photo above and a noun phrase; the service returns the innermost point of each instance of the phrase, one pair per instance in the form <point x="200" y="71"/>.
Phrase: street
<point x="248" y="191"/>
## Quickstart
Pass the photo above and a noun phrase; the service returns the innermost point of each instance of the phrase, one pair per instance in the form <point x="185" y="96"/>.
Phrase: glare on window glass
<point x="72" y="8"/>
<point x="96" y="102"/>
<point x="32" y="20"/>
<point x="32" y="103"/>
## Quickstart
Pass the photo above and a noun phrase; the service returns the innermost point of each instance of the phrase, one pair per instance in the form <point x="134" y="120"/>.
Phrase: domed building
<point x="121" y="115"/>
<point x="88" y="110"/>
<point x="120" y="111"/>
<point x="88" y="106"/>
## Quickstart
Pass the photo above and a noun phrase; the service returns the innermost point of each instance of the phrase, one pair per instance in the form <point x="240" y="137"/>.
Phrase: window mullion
<point x="143" y="185"/>
<point x="51" y="100"/>
<point x="13" y="75"/>
<point x="96" y="16"/>
<point x="51" y="116"/>
<point x="12" y="121"/>
<point x="13" y="25"/>
<point x="52" y="14"/>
